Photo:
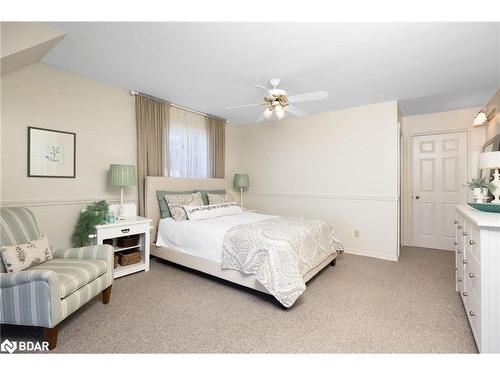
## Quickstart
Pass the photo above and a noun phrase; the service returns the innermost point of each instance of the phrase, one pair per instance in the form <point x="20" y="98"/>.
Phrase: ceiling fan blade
<point x="243" y="106"/>
<point x="261" y="87"/>
<point x="294" y="110"/>
<point x="315" y="95"/>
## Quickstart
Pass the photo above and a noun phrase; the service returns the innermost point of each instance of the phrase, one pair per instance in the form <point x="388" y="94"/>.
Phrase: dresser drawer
<point x="122" y="231"/>
<point x="472" y="244"/>
<point x="473" y="310"/>
<point x="472" y="277"/>
<point x="460" y="279"/>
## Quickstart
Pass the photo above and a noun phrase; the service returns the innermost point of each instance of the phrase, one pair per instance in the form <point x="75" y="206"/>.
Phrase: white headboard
<point x="152" y="208"/>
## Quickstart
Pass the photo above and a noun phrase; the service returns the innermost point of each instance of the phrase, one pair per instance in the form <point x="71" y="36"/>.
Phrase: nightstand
<point x="133" y="225"/>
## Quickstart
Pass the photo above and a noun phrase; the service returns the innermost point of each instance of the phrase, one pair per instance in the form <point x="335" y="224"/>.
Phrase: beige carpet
<point x="361" y="305"/>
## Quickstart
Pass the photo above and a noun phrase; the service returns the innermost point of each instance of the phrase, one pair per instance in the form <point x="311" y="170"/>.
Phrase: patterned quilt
<point x="279" y="252"/>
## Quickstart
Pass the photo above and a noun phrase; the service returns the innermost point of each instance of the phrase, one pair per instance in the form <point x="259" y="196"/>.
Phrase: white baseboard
<point x="371" y="254"/>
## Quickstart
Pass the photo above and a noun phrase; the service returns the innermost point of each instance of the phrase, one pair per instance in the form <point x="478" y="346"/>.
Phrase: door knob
<point x="417" y="196"/>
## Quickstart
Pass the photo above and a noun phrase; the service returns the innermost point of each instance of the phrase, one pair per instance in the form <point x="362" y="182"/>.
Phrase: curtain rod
<point x="134" y="93"/>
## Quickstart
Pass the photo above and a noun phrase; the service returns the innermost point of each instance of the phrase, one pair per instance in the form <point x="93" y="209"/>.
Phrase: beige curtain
<point x="216" y="134"/>
<point x="152" y="120"/>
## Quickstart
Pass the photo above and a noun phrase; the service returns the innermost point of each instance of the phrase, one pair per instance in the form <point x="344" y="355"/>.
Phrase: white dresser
<point x="477" y="265"/>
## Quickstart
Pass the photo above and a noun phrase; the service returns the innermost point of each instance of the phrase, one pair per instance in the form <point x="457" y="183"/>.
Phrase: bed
<point x="197" y="244"/>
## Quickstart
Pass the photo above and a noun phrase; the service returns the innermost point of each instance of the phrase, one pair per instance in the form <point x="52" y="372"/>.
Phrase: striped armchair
<point x="45" y="294"/>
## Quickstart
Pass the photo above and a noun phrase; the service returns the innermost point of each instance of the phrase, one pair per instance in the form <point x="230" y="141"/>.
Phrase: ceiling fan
<point x="277" y="101"/>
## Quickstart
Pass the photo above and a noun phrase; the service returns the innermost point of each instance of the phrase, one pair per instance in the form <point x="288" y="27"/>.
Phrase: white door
<point x="439" y="172"/>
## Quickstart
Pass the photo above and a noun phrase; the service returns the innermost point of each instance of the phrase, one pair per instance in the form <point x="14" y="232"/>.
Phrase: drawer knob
<point x="455" y="268"/>
<point x="126" y="230"/>
<point x="455" y="222"/>
<point x="459" y="280"/>
<point x="464" y="233"/>
<point x="464" y="261"/>
<point x="459" y="227"/>
<point x="455" y="243"/>
<point x="472" y="242"/>
<point x="465" y="294"/>
<point x="459" y="251"/>
<point x="472" y="313"/>
<point x="471" y="275"/>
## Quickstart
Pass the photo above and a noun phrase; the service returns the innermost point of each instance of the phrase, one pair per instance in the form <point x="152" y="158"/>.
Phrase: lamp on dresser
<point x="241" y="182"/>
<point x="491" y="160"/>
<point x="122" y="175"/>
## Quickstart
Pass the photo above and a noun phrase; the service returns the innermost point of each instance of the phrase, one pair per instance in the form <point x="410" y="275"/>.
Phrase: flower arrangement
<point x="94" y="214"/>
<point x="479" y="183"/>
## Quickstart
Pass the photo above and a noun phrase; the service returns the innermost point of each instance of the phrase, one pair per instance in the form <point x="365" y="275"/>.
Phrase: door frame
<point x="407" y="209"/>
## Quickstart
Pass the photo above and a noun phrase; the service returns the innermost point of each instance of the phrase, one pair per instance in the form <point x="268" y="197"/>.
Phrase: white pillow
<point x="212" y="210"/>
<point x="20" y="257"/>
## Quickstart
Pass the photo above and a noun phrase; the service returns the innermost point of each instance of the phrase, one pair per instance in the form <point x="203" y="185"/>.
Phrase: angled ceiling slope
<point x="25" y="43"/>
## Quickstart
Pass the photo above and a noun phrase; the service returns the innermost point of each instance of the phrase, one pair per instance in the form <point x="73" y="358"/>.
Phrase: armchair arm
<point x="8" y="280"/>
<point x="102" y="252"/>
<point x="31" y="297"/>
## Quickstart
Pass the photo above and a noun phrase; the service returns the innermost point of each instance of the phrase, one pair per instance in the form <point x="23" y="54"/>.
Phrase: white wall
<point x="103" y="119"/>
<point x="460" y="120"/>
<point x="339" y="166"/>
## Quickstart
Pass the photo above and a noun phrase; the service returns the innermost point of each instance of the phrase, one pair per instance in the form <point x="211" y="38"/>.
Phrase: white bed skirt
<point x="215" y="269"/>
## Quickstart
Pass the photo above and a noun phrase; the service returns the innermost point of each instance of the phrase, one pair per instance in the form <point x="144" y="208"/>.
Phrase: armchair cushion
<point x="73" y="273"/>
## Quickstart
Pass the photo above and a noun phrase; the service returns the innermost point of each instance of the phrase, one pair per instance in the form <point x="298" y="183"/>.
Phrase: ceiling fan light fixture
<point x="280" y="112"/>
<point x="268" y="113"/>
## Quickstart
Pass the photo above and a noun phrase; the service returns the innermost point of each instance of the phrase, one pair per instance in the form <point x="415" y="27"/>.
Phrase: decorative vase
<point x="480" y="194"/>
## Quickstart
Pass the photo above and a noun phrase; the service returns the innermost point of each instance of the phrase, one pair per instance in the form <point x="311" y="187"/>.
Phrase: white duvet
<point x="203" y="238"/>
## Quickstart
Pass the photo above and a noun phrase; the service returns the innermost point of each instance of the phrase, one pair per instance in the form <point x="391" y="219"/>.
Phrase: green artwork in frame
<point x="51" y="153"/>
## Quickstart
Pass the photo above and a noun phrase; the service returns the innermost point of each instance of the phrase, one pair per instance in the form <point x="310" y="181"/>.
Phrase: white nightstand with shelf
<point x="133" y="225"/>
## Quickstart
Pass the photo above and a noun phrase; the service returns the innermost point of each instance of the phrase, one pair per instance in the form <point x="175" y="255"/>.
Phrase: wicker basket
<point x="128" y="241"/>
<point x="115" y="261"/>
<point x="107" y="241"/>
<point x="128" y="257"/>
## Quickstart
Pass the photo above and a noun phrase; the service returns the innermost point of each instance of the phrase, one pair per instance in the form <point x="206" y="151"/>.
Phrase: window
<point x="188" y="147"/>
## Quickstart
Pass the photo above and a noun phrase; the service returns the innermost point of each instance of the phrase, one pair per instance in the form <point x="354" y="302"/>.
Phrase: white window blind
<point x="188" y="148"/>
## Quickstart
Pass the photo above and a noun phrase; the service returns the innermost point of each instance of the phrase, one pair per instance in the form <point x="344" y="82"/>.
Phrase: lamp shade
<point x="489" y="160"/>
<point x="122" y="175"/>
<point x="241" y="180"/>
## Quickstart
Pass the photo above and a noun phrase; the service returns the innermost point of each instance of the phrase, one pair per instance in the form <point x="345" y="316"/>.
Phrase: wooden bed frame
<point x="152" y="211"/>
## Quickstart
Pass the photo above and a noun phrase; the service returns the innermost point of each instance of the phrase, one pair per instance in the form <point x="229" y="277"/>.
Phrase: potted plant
<point x="94" y="214"/>
<point x="479" y="187"/>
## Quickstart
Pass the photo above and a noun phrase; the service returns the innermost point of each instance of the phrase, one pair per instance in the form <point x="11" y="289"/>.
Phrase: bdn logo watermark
<point x="23" y="346"/>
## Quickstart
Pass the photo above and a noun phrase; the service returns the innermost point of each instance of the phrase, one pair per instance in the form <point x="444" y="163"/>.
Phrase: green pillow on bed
<point x="204" y="193"/>
<point x="160" y="195"/>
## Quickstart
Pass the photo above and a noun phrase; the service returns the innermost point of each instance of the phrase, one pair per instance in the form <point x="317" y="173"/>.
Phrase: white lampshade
<point x="489" y="160"/>
<point x="280" y="112"/>
<point x="267" y="113"/>
<point x="480" y="118"/>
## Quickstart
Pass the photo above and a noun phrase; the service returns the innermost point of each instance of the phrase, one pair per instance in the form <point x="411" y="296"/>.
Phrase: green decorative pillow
<point x="204" y="194"/>
<point x="160" y="195"/>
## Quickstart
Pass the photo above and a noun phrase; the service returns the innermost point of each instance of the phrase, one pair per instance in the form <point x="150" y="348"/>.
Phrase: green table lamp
<point x="122" y="175"/>
<point x="241" y="181"/>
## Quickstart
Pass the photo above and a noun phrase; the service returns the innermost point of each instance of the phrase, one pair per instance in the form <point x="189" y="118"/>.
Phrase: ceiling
<point x="428" y="67"/>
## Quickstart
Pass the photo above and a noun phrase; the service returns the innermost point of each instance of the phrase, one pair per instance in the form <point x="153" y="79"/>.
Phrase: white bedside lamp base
<point x="121" y="211"/>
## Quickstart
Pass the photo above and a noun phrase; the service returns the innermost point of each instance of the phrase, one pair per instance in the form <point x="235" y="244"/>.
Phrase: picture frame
<point x="51" y="153"/>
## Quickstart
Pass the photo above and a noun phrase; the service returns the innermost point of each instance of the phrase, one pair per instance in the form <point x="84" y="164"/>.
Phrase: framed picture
<point x="51" y="153"/>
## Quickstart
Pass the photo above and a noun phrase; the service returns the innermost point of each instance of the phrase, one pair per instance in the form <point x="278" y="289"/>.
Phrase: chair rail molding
<point x="386" y="198"/>
<point x="64" y="202"/>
